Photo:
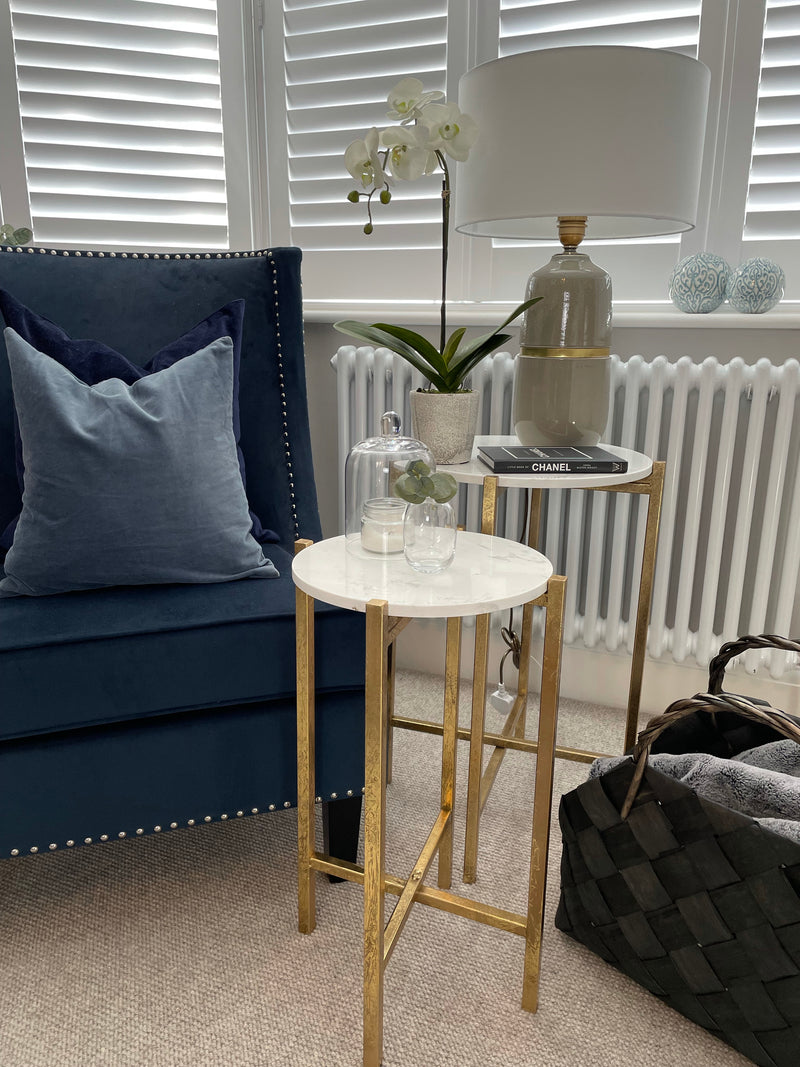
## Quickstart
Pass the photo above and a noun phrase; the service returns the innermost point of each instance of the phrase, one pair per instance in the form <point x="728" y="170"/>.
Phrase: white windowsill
<point x="660" y="315"/>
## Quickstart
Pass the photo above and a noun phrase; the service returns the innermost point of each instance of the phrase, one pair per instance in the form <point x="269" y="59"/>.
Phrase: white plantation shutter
<point x="121" y="122"/>
<point x="341" y="60"/>
<point x="773" y="199"/>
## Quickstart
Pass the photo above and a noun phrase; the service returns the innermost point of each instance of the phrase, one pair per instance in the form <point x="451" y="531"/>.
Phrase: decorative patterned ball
<point x="755" y="286"/>
<point x="697" y="283"/>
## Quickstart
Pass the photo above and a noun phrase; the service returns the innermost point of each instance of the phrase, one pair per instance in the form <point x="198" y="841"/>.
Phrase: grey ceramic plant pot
<point x="446" y="423"/>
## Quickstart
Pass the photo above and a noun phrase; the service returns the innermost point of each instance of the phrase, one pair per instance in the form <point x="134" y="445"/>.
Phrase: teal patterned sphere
<point x="755" y="286"/>
<point x="697" y="284"/>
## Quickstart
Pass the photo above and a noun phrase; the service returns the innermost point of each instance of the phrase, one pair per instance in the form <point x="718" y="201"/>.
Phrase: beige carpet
<point x="182" y="949"/>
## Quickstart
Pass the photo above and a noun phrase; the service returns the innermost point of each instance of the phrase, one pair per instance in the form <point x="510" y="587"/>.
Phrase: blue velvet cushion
<point x="113" y="471"/>
<point x="93" y="361"/>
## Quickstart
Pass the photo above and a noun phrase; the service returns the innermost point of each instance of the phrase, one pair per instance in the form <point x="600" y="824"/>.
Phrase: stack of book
<point x="550" y="459"/>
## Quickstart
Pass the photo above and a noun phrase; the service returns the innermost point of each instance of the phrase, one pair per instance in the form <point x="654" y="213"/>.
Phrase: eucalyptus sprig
<point x="418" y="484"/>
<point x="14" y="235"/>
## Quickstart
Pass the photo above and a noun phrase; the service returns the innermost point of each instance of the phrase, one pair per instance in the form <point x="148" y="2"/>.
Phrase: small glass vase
<point x="429" y="536"/>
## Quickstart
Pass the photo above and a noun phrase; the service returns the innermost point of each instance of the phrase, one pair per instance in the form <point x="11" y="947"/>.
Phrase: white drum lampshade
<point x="612" y="135"/>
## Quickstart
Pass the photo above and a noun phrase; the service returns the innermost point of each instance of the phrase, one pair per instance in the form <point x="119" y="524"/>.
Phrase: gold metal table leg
<point x="645" y="598"/>
<point x="543" y="789"/>
<point x="375" y="731"/>
<point x="306" y="875"/>
<point x="449" y="745"/>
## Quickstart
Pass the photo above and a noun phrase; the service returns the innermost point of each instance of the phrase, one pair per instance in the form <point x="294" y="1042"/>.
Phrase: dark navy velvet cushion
<point x="106" y="655"/>
<point x="92" y="362"/>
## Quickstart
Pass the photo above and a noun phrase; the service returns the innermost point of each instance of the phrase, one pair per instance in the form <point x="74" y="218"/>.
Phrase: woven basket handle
<point x="716" y="668"/>
<point x="787" y="725"/>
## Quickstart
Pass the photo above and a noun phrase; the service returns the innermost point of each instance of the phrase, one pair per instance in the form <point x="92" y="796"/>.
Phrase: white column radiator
<point x="729" y="547"/>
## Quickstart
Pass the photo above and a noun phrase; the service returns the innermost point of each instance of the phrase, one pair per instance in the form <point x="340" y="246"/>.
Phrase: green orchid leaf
<point x="451" y="347"/>
<point x="431" y="355"/>
<point x="445" y="487"/>
<point x="377" y="336"/>
<point x="480" y="342"/>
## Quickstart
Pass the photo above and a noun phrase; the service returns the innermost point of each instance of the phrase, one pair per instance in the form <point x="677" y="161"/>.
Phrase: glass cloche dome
<point x="373" y="514"/>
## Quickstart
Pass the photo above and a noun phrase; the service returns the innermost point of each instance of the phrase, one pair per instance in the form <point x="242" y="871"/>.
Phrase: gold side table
<point x="643" y="477"/>
<point x="488" y="574"/>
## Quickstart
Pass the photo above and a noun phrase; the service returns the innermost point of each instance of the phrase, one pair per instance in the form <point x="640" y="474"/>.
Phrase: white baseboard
<point x="592" y="675"/>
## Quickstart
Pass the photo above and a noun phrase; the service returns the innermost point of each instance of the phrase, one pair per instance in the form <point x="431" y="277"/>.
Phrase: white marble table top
<point x="487" y="574"/>
<point x="473" y="472"/>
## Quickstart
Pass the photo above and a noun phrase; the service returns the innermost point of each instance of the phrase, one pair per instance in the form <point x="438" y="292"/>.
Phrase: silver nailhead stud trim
<point x="254" y="811"/>
<point x="70" y="844"/>
<point x="157" y="829"/>
<point x="122" y="834"/>
<point x="287" y="803"/>
<point x="317" y="800"/>
<point x="221" y="816"/>
<point x="240" y="813"/>
<point x="173" y="826"/>
<point x="34" y="848"/>
<point x="349" y="792"/>
<point x="14" y="851"/>
<point x="334" y="796"/>
<point x="52" y="846"/>
<point x="190" y="822"/>
<point x="207" y="818"/>
<point x="104" y="837"/>
<point x="140" y="831"/>
<point x="87" y="840"/>
<point x="272" y="807"/>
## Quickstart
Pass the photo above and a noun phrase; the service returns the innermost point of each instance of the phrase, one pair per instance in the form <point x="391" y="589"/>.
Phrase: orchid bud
<point x="386" y="196"/>
<point x="368" y="228"/>
<point x="353" y="197"/>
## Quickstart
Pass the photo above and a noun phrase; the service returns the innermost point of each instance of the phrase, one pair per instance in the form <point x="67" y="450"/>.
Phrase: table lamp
<point x="599" y="140"/>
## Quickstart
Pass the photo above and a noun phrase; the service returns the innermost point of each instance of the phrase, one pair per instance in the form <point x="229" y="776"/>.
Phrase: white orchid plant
<point x="430" y="131"/>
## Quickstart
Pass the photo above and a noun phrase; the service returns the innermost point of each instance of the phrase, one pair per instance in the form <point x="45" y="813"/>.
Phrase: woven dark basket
<point x="696" y="902"/>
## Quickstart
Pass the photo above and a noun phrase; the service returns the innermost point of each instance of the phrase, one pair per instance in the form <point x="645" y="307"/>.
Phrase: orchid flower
<point x="363" y="161"/>
<point x="408" y="98"/>
<point x="428" y="133"/>
<point x="410" y="155"/>
<point x="450" y="130"/>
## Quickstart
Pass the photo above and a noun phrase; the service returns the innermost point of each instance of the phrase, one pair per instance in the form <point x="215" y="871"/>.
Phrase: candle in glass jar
<point x="382" y="525"/>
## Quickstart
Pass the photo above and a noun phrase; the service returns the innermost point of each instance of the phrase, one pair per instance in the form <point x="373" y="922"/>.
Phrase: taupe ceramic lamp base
<point x="562" y="375"/>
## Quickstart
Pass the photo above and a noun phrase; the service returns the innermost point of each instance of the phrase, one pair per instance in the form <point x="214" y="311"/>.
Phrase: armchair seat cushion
<point x="110" y="655"/>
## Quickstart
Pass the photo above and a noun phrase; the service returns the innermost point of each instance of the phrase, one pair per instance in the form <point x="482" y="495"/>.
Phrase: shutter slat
<point x="68" y="32"/>
<point x="121" y="112"/>
<point x="124" y="234"/>
<point x="145" y="186"/>
<point x="673" y="34"/>
<point x="106" y="86"/>
<point x="65" y="131"/>
<point x="132" y="161"/>
<point x="43" y="54"/>
<point x="121" y="208"/>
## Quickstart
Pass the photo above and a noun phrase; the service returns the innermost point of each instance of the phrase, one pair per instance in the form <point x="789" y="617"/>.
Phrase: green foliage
<point x="445" y="370"/>
<point x="417" y="484"/>
<point x="11" y="235"/>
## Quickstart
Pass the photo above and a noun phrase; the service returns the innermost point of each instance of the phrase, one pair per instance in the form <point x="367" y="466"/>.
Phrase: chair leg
<point x="341" y="824"/>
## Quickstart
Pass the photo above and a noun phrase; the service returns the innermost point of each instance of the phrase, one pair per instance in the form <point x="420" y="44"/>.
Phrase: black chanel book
<point x="550" y="459"/>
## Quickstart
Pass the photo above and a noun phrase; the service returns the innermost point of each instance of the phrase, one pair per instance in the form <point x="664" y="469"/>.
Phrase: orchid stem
<point x="445" y="239"/>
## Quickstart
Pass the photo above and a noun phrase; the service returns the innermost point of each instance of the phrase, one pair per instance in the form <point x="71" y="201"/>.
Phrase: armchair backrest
<point x="137" y="303"/>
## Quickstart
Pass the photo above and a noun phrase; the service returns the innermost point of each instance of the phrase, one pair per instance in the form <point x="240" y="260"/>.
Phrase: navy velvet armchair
<point x="139" y="708"/>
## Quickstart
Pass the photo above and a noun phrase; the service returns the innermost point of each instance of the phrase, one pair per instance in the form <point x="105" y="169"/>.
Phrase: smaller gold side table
<point x="488" y="574"/>
<point x="643" y="477"/>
